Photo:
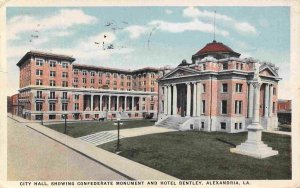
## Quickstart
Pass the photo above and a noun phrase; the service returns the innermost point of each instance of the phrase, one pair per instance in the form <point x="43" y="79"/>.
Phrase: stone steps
<point x="172" y="122"/>
<point x="100" y="138"/>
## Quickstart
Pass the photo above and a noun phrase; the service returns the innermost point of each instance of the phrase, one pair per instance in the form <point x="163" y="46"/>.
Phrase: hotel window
<point x="152" y="107"/>
<point x="39" y="62"/>
<point x="203" y="106"/>
<point x="224" y="88"/>
<point x="134" y="83"/>
<point x="108" y="75"/>
<point x="75" y="79"/>
<point x="240" y="126"/>
<point x="39" y="106"/>
<point x="134" y="77"/>
<point x="84" y="72"/>
<point x="128" y="84"/>
<point x="144" y="75"/>
<point x="92" y="81"/>
<point x="107" y="82"/>
<point x="242" y="66"/>
<point x="52" y="83"/>
<point x="273" y="107"/>
<point x="65" y="84"/>
<point x="64" y="106"/>
<point x="122" y="76"/>
<point x="64" y="65"/>
<point x="76" y="97"/>
<point x="38" y="82"/>
<point x="225" y="66"/>
<point x="238" y="107"/>
<point x="122" y="83"/>
<point x="65" y="75"/>
<point x="223" y="125"/>
<point x="52" y="94"/>
<point x="76" y="71"/>
<point x="84" y="80"/>
<point x="100" y="81"/>
<point x="128" y="77"/>
<point x="51" y="106"/>
<point x="65" y="94"/>
<point x="152" y="89"/>
<point x="145" y="89"/>
<point x="238" y="88"/>
<point x="100" y="74"/>
<point x="203" y="88"/>
<point x="236" y="126"/>
<point x="75" y="86"/>
<point x="115" y="75"/>
<point x="39" y="72"/>
<point x="39" y="94"/>
<point x="92" y="73"/>
<point x="224" y="107"/>
<point x="144" y="83"/>
<point x="52" y="63"/>
<point x="152" y="98"/>
<point x="152" y="82"/>
<point x="152" y="75"/>
<point x="204" y="66"/>
<point x="202" y="125"/>
<point x="52" y="73"/>
<point x="76" y="106"/>
<point x="115" y="82"/>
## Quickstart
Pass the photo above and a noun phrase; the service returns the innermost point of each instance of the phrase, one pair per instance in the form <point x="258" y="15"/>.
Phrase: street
<point x="33" y="156"/>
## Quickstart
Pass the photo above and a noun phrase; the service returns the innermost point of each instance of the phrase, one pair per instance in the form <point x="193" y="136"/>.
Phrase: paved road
<point x="33" y="156"/>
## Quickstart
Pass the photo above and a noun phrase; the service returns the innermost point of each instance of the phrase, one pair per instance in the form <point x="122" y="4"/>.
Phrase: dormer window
<point x="225" y="66"/>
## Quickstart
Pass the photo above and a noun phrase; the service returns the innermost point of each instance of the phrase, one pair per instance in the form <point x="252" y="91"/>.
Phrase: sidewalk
<point x="113" y="161"/>
<point x="279" y="132"/>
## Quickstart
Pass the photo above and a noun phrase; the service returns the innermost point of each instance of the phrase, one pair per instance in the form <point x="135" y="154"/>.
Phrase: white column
<point x="125" y="103"/>
<point x="267" y="93"/>
<point x="165" y="100"/>
<point x="169" y="99"/>
<point x="140" y="103"/>
<point x="198" y="99"/>
<point x="188" y="99"/>
<point x="109" y="101"/>
<point x="174" y="100"/>
<point x="250" y="101"/>
<point x="271" y="101"/>
<point x="117" y="104"/>
<point x="194" y="99"/>
<point x="100" y="105"/>
<point x="92" y="102"/>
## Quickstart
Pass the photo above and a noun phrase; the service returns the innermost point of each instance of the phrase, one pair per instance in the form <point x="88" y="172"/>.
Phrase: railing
<point x="63" y="99"/>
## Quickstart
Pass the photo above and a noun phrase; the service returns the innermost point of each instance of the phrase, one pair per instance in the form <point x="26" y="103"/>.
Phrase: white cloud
<point x="62" y="33"/>
<point x="168" y="11"/>
<point x="135" y="31"/>
<point x="241" y="27"/>
<point x="63" y="19"/>
<point x="194" y="25"/>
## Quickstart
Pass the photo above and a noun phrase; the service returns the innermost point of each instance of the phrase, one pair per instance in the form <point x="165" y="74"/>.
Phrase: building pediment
<point x="180" y="72"/>
<point x="267" y="70"/>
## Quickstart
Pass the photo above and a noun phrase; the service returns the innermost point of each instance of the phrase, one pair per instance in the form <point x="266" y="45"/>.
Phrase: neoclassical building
<point x="52" y="85"/>
<point x="215" y="92"/>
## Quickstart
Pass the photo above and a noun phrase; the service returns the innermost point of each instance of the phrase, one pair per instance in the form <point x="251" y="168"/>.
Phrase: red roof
<point x="214" y="47"/>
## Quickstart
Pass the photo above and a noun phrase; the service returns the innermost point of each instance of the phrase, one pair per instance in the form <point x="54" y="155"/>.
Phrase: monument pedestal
<point x="253" y="146"/>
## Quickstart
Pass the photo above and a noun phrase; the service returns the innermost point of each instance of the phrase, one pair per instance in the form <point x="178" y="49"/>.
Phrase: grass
<point x="199" y="155"/>
<point x="79" y="129"/>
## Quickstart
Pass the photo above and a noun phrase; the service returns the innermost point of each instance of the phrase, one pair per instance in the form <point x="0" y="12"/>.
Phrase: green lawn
<point x="199" y="155"/>
<point x="84" y="128"/>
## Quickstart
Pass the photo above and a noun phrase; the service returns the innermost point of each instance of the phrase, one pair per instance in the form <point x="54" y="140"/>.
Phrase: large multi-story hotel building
<point x="51" y="85"/>
<point x="216" y="92"/>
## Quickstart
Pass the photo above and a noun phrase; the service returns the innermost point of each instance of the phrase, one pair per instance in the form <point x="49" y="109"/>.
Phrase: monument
<point x="254" y="145"/>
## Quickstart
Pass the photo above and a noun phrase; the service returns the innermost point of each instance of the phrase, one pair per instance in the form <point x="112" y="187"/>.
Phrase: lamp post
<point x="118" y="140"/>
<point x="65" y="117"/>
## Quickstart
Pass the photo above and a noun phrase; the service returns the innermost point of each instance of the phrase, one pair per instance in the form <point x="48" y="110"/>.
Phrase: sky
<point x="135" y="37"/>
